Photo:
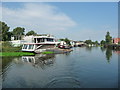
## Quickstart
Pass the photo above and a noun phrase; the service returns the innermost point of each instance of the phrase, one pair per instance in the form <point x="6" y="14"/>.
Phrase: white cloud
<point x="42" y="18"/>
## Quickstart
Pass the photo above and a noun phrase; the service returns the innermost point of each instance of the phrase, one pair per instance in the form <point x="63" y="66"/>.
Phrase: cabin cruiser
<point x="39" y="44"/>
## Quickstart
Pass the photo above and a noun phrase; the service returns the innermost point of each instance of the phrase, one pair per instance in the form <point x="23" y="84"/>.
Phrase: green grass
<point x="16" y="53"/>
<point x="47" y="52"/>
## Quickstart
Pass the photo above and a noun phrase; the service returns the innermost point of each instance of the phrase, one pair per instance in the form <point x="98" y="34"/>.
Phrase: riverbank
<point x="113" y="46"/>
<point x="58" y="50"/>
<point x="16" y="54"/>
<point x="8" y="47"/>
<point x="8" y="50"/>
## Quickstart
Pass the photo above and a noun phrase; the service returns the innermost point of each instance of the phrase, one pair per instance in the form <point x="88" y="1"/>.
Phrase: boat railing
<point x="39" y="46"/>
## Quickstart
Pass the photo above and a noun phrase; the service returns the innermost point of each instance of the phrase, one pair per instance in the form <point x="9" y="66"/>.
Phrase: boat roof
<point x="43" y="36"/>
<point x="38" y="43"/>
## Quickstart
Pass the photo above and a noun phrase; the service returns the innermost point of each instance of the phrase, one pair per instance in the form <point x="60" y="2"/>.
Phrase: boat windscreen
<point x="30" y="46"/>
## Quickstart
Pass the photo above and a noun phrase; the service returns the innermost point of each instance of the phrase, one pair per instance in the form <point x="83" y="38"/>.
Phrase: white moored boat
<point x="39" y="44"/>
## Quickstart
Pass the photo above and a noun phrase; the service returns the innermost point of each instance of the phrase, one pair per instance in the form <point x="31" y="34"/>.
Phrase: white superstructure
<point x="35" y="43"/>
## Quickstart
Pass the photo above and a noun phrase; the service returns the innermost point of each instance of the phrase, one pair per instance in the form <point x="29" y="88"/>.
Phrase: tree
<point x="31" y="33"/>
<point x="5" y="35"/>
<point x="88" y="42"/>
<point x="62" y="39"/>
<point x="108" y="38"/>
<point x="102" y="42"/>
<point x="18" y="32"/>
<point x="96" y="42"/>
<point x="67" y="41"/>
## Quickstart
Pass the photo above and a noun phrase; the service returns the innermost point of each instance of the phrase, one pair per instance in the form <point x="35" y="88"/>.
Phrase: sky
<point x="60" y="0"/>
<point x="73" y="20"/>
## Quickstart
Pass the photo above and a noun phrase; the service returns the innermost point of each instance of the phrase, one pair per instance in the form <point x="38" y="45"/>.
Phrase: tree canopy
<point x="88" y="42"/>
<point x="108" y="38"/>
<point x="66" y="40"/>
<point x="31" y="33"/>
<point x="96" y="42"/>
<point x="18" y="31"/>
<point x="92" y="42"/>
<point x="4" y="32"/>
<point x="102" y="42"/>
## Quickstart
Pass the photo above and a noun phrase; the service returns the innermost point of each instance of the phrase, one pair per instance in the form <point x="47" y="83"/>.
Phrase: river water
<point x="84" y="67"/>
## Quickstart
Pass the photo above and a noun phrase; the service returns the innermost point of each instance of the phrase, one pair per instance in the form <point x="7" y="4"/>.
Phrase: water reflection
<point x="79" y="68"/>
<point x="108" y="54"/>
<point x="117" y="52"/>
<point x="36" y="61"/>
<point x="39" y="60"/>
<point x="6" y="61"/>
<point x="6" y="64"/>
<point x="102" y="49"/>
<point x="89" y="48"/>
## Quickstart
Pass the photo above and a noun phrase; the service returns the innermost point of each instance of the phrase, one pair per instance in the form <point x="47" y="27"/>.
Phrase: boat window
<point x="25" y="46"/>
<point x="30" y="47"/>
<point x="24" y="59"/>
<point x="40" y="40"/>
<point x="50" y="39"/>
<point x="30" y="59"/>
<point x="35" y="40"/>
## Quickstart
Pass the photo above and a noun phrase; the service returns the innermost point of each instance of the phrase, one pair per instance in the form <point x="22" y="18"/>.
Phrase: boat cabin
<point x="39" y="42"/>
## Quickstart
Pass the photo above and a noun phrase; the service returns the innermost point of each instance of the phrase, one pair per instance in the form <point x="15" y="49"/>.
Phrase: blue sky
<point x="75" y="20"/>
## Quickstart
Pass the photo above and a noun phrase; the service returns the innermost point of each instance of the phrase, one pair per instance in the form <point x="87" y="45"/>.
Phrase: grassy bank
<point x="7" y="47"/>
<point x="47" y="52"/>
<point x="15" y="54"/>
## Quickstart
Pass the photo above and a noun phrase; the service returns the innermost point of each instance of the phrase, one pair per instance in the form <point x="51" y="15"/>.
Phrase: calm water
<point x="82" y="68"/>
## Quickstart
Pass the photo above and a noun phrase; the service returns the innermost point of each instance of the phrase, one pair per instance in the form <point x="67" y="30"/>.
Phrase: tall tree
<point x="18" y="32"/>
<point x="4" y="32"/>
<point x="108" y="38"/>
<point x="31" y="33"/>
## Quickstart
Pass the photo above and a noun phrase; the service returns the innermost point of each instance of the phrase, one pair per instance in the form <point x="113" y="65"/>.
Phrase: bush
<point x="7" y="47"/>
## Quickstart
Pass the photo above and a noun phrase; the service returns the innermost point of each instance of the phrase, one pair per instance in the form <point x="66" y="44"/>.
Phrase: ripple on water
<point x="63" y="82"/>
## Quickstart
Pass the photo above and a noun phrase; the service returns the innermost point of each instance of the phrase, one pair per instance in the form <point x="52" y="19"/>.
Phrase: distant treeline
<point x="108" y="40"/>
